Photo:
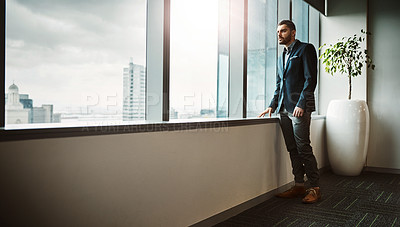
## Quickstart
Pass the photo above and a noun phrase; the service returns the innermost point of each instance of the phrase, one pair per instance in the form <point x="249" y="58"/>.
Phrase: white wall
<point x="384" y="84"/>
<point x="381" y="89"/>
<point x="345" y="18"/>
<point x="145" y="179"/>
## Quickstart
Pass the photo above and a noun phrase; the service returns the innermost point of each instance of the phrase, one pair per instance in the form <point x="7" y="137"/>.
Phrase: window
<point x="300" y="19"/>
<point x="261" y="54"/>
<point x="262" y="50"/>
<point x="194" y="58"/>
<point x="74" y="60"/>
<point x="71" y="63"/>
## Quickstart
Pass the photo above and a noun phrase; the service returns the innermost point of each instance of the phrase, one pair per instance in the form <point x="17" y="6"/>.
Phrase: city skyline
<point x="72" y="53"/>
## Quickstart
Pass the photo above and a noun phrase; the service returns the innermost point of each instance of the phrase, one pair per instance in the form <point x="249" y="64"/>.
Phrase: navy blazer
<point x="296" y="83"/>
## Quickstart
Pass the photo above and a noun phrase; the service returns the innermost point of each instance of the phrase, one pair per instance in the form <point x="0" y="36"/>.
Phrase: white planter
<point x="347" y="130"/>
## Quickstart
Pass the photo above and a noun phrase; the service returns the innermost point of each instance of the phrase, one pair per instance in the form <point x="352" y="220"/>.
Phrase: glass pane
<point x="194" y="58"/>
<point x="313" y="38"/>
<point x="300" y="19"/>
<point x="223" y="59"/>
<point x="261" y="54"/>
<point x="74" y="63"/>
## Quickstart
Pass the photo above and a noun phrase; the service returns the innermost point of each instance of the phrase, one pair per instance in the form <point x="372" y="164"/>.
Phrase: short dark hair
<point x="288" y="23"/>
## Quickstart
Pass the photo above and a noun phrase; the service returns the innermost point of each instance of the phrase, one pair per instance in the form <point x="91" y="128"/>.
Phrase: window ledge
<point x="10" y="134"/>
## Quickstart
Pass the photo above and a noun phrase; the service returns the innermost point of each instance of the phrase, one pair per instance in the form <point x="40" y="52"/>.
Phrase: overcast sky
<point x="62" y="51"/>
<point x="194" y="54"/>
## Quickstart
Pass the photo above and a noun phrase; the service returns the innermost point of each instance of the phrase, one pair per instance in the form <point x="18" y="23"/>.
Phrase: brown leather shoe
<point x="313" y="195"/>
<point x="295" y="191"/>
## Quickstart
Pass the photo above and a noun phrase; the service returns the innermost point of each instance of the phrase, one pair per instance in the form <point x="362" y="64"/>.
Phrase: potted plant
<point x="347" y="121"/>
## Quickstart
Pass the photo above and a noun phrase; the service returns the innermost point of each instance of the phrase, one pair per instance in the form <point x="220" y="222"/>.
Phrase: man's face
<point x="285" y="35"/>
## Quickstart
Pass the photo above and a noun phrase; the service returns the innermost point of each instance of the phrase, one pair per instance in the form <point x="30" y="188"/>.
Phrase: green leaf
<point x="346" y="56"/>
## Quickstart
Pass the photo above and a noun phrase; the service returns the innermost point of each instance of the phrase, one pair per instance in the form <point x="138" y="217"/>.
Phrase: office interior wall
<point x="345" y="18"/>
<point x="384" y="84"/>
<point x="173" y="178"/>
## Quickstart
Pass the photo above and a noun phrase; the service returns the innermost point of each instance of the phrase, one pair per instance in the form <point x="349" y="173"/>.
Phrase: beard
<point x="284" y="40"/>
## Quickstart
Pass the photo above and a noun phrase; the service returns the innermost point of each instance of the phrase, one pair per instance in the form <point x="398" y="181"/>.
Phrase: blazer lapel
<point x="286" y="65"/>
<point x="296" y="45"/>
<point x="283" y="62"/>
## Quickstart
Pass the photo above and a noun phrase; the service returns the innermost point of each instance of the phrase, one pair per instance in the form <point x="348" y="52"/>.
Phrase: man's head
<point x="286" y="32"/>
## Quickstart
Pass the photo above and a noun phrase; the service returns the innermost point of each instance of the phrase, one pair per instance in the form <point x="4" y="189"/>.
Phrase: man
<point x="294" y="101"/>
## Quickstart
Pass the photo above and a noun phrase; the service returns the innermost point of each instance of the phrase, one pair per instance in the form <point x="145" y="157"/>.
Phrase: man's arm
<point x="310" y="75"/>
<point x="274" y="102"/>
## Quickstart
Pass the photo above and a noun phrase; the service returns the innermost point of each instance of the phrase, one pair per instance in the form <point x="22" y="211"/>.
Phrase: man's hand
<point x="267" y="111"/>
<point x="298" y="112"/>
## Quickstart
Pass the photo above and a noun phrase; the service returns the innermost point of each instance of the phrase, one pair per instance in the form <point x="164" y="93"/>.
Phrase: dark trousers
<point x="296" y="132"/>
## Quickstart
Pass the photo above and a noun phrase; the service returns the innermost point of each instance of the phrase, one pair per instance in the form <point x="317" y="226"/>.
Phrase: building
<point x="134" y="92"/>
<point x="26" y="101"/>
<point x="42" y="114"/>
<point x="208" y="113"/>
<point x="20" y="109"/>
<point x="14" y="109"/>
<point x="173" y="114"/>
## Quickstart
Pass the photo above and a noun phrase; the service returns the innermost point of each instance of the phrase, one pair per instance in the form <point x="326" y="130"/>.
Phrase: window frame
<point x="3" y="65"/>
<point x="159" y="119"/>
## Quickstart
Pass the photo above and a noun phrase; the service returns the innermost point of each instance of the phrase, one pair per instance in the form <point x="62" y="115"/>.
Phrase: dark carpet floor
<point x="371" y="199"/>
